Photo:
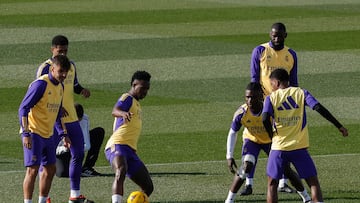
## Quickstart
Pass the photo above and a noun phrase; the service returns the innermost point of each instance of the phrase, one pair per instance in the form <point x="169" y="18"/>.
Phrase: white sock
<point x="304" y="195"/>
<point x="231" y="197"/>
<point x="42" y="199"/>
<point x="27" y="201"/>
<point x="74" y="193"/>
<point x="282" y="182"/>
<point x="249" y="181"/>
<point x="116" y="198"/>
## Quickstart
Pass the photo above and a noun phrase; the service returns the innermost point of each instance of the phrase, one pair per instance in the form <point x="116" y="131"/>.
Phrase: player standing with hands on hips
<point x="121" y="148"/>
<point x="290" y="139"/>
<point x="59" y="46"/>
<point x="39" y="111"/>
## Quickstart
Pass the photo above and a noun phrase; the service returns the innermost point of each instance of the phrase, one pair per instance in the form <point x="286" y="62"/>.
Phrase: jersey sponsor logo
<point x="52" y="107"/>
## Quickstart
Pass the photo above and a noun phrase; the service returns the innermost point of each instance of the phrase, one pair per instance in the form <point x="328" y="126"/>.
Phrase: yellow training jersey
<point x="254" y="129"/>
<point x="68" y="100"/>
<point x="42" y="116"/>
<point x="272" y="59"/>
<point x="290" y="119"/>
<point x="127" y="132"/>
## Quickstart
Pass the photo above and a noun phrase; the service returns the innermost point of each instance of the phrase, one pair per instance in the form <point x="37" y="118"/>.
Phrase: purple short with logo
<point x="300" y="158"/>
<point x="253" y="148"/>
<point x="42" y="152"/>
<point x="133" y="161"/>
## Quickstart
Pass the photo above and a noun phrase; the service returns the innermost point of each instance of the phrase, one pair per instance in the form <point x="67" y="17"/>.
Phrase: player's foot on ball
<point x="286" y="189"/>
<point x="80" y="199"/>
<point x="246" y="191"/>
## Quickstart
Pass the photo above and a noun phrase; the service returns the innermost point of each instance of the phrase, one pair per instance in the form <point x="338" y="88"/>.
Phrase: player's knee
<point x="32" y="171"/>
<point x="101" y="132"/>
<point x="50" y="169"/>
<point x="120" y="173"/>
<point x="248" y="162"/>
<point x="249" y="158"/>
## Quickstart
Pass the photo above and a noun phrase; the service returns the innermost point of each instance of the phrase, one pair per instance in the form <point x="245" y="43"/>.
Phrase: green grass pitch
<point x="198" y="52"/>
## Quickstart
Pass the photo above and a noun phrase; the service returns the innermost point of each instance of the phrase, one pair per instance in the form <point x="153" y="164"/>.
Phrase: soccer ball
<point x="138" y="197"/>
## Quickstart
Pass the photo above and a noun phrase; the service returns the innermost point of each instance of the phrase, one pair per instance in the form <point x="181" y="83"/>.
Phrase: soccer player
<point x="290" y="140"/>
<point x="264" y="59"/>
<point x="121" y="148"/>
<point x="93" y="140"/>
<point x="273" y="55"/>
<point x="38" y="112"/>
<point x="60" y="47"/>
<point x="255" y="138"/>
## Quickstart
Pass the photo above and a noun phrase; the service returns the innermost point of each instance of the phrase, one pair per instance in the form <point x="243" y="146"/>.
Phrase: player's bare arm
<point x="117" y="112"/>
<point x="232" y="165"/>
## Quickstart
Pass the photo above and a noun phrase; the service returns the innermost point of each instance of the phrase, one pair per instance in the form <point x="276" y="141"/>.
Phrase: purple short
<point x="42" y="152"/>
<point x="300" y="158"/>
<point x="253" y="148"/>
<point x="133" y="161"/>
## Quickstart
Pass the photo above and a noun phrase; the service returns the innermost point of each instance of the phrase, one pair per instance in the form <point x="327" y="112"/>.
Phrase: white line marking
<point x="196" y="162"/>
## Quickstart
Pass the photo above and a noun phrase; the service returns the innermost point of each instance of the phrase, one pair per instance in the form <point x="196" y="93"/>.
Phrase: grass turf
<point x="198" y="53"/>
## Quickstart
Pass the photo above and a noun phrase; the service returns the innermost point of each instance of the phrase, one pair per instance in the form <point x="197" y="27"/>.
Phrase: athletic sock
<point x="75" y="193"/>
<point x="116" y="198"/>
<point x="42" y="199"/>
<point x="231" y="197"/>
<point x="249" y="181"/>
<point x="304" y="195"/>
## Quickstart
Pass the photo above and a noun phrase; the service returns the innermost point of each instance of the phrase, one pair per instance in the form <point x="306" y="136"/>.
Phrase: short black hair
<point x="59" y="40"/>
<point x="279" y="26"/>
<point x="140" y="75"/>
<point x="63" y="61"/>
<point x="79" y="110"/>
<point x="255" y="86"/>
<point x="280" y="74"/>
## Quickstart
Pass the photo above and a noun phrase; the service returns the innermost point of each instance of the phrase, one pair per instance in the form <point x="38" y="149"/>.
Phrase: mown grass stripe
<point x="178" y="47"/>
<point x="176" y="16"/>
<point x="44" y="34"/>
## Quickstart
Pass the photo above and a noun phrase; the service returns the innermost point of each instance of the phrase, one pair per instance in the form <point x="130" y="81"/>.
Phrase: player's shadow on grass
<point x="177" y="173"/>
<point x="161" y="174"/>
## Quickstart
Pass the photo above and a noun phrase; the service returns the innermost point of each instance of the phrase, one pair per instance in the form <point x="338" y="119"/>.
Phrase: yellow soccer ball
<point x="138" y="197"/>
